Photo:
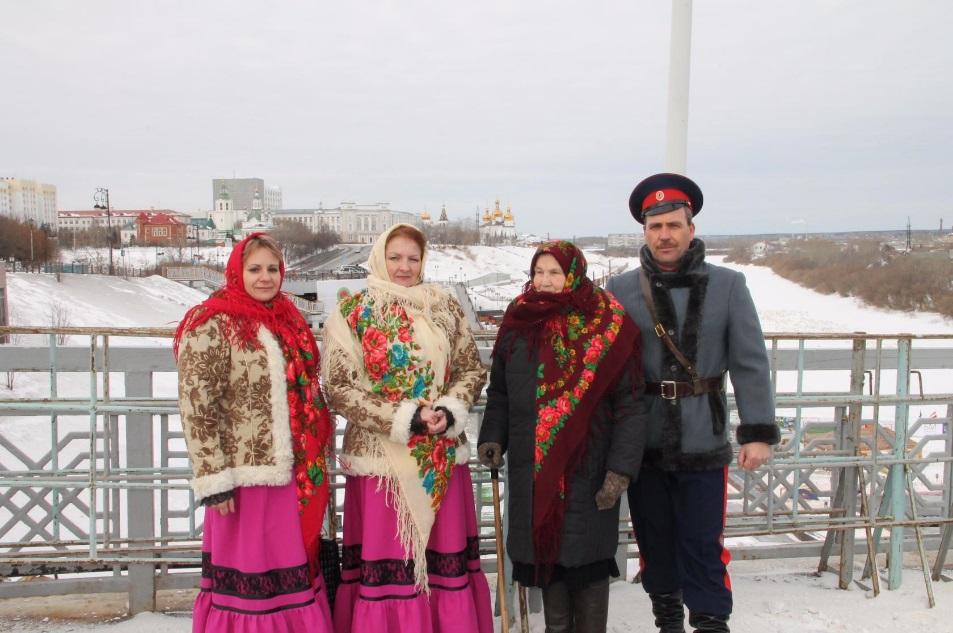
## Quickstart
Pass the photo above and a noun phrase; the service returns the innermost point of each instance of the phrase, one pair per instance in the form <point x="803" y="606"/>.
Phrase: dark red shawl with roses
<point x="310" y="419"/>
<point x="584" y="341"/>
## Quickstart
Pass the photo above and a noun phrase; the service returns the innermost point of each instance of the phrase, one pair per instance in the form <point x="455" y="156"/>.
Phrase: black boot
<point x="705" y="623"/>
<point x="668" y="611"/>
<point x="590" y="607"/>
<point x="557" y="608"/>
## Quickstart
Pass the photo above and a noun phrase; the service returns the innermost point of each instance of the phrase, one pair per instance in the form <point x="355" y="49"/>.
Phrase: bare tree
<point x="10" y="377"/>
<point x="60" y="317"/>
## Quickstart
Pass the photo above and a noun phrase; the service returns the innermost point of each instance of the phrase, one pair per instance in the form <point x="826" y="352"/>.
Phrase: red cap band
<point x="665" y="195"/>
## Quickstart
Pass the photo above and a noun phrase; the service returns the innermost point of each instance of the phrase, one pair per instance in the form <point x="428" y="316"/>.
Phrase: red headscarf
<point x="310" y="421"/>
<point x="584" y="342"/>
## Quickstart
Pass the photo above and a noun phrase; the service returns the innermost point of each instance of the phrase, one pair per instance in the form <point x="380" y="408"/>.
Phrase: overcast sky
<point x="810" y="115"/>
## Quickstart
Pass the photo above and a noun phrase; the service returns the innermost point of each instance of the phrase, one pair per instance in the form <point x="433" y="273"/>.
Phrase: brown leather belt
<point x="672" y="389"/>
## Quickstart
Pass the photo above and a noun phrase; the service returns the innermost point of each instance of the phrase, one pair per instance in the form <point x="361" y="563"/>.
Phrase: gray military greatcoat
<point x="708" y="312"/>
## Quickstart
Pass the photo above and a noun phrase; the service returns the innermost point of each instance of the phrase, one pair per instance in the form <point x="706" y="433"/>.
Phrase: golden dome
<point x="424" y="216"/>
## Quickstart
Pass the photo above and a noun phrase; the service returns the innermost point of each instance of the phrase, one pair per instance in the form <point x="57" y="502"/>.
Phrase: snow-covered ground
<point x="134" y="257"/>
<point x="783" y="305"/>
<point x="770" y="597"/>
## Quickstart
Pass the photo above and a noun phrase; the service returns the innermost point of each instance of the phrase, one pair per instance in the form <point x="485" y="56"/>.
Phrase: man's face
<point x="668" y="236"/>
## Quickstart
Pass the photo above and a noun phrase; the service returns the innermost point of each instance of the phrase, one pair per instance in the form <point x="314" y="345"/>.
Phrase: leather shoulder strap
<point x="660" y="329"/>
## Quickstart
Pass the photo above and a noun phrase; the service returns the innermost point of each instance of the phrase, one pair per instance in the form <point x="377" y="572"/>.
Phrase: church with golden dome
<point x="497" y="227"/>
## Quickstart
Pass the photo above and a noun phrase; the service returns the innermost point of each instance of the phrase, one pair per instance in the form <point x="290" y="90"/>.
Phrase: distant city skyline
<point x="810" y="116"/>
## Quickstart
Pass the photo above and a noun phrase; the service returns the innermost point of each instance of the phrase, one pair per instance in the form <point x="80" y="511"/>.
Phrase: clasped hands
<point x="429" y="420"/>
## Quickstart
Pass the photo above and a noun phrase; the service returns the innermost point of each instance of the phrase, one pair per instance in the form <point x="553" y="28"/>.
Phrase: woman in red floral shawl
<point x="564" y="403"/>
<point x="257" y="428"/>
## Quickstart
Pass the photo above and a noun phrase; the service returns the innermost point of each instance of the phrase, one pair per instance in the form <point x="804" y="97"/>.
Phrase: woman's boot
<point x="668" y="611"/>
<point x="557" y="608"/>
<point x="591" y="607"/>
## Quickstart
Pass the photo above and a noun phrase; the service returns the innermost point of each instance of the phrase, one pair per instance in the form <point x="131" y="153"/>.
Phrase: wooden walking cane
<point x="524" y="611"/>
<point x="500" y="563"/>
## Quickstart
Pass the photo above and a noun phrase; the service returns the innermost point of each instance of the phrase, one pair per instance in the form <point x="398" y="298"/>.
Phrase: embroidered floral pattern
<point x="387" y="571"/>
<point x="435" y="457"/>
<point x="390" y="571"/>
<point x="309" y="419"/>
<point x="255" y="586"/>
<point x="389" y="350"/>
<point x="449" y="565"/>
<point x="556" y="400"/>
<point x="225" y="400"/>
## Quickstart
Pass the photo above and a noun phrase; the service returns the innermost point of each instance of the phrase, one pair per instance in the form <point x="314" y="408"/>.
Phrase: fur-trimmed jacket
<point x="234" y="407"/>
<point x="708" y="312"/>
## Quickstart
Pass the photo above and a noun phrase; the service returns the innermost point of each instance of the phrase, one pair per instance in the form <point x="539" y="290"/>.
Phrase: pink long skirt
<point x="255" y="577"/>
<point x="377" y="593"/>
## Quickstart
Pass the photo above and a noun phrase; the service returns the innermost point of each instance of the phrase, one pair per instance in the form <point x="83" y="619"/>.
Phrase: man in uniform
<point x="697" y="322"/>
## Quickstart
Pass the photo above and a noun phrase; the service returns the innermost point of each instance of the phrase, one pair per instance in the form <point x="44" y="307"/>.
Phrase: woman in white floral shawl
<point x="401" y="365"/>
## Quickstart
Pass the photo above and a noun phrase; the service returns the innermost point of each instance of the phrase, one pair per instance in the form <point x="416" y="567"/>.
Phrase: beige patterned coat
<point x="371" y="416"/>
<point x="234" y="410"/>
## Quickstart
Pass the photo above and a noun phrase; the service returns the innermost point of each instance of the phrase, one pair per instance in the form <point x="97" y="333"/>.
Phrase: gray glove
<point x="490" y="454"/>
<point x="612" y="488"/>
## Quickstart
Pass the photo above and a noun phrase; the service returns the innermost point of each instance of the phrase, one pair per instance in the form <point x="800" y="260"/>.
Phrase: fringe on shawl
<point x="409" y="536"/>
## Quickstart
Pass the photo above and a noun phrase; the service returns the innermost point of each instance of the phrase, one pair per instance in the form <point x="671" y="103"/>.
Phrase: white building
<point x="631" y="241"/>
<point x="243" y="192"/>
<point x="82" y="220"/>
<point x="27" y="200"/>
<point x="354" y="223"/>
<point x="498" y="227"/>
<point x="224" y="215"/>
<point x="128" y="233"/>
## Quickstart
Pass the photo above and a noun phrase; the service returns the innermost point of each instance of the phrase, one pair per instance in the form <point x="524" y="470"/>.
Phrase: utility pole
<point x="679" y="67"/>
<point x="102" y="202"/>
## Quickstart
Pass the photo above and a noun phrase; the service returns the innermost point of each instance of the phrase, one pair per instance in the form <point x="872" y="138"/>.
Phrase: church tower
<point x="224" y="201"/>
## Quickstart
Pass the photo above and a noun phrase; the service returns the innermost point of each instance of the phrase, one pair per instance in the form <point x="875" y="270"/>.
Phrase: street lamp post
<point x="102" y="202"/>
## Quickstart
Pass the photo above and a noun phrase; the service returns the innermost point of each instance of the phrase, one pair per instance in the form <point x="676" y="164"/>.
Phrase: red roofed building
<point x="160" y="228"/>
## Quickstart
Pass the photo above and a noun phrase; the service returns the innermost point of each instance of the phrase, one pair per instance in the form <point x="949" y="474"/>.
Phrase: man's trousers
<point x="679" y="520"/>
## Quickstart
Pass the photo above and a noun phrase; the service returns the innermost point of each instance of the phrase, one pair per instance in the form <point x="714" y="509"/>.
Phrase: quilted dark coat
<point x="616" y="441"/>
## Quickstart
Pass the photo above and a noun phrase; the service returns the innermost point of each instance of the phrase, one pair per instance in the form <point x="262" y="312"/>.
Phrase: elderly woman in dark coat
<point x="565" y="403"/>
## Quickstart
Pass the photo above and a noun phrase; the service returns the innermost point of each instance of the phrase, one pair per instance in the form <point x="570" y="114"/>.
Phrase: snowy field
<point x="772" y="597"/>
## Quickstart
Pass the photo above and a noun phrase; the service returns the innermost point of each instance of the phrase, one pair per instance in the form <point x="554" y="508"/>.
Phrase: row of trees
<point x="868" y="270"/>
<point x="457" y="233"/>
<point x="93" y="237"/>
<point x="298" y="240"/>
<point x="25" y="242"/>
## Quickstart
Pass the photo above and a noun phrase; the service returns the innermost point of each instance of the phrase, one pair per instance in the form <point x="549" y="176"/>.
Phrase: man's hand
<point x="753" y="455"/>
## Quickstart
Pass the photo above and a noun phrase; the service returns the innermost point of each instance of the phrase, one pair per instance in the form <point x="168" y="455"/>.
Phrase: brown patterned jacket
<point x="234" y="410"/>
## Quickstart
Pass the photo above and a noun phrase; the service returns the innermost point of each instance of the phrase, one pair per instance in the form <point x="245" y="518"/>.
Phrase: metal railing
<point x="94" y="476"/>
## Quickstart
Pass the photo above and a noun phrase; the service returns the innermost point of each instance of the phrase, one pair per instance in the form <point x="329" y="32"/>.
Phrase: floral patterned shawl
<point x="584" y="341"/>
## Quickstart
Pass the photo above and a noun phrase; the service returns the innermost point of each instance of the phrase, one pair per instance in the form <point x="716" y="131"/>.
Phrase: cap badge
<point x="659" y="195"/>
